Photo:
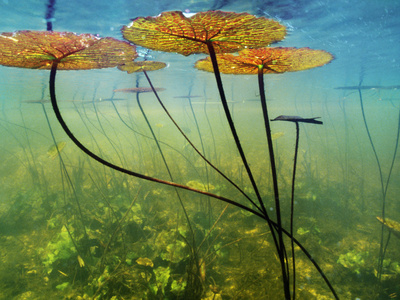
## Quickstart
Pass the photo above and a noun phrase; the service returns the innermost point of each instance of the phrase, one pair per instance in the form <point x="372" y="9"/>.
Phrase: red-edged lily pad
<point x="269" y="60"/>
<point x="227" y="31"/>
<point x="40" y="49"/>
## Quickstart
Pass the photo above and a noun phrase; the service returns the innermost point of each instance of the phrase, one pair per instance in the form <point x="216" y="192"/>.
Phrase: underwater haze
<point x="195" y="224"/>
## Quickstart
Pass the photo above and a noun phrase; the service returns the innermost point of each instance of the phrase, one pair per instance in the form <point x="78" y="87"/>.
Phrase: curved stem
<point x="120" y="169"/>
<point x="164" y="182"/>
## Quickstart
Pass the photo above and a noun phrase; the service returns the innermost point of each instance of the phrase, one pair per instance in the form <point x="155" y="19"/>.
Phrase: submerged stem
<point x="280" y="244"/>
<point x="296" y="148"/>
<point x="232" y="125"/>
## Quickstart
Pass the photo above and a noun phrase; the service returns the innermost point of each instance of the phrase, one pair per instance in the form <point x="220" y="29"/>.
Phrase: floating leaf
<point x="139" y="90"/>
<point x="270" y="60"/>
<point x="140" y="66"/>
<point x="39" y="49"/>
<point x="227" y="31"/>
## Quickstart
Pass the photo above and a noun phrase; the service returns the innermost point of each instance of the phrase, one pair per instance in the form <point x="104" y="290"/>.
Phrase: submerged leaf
<point x="140" y="66"/>
<point x="227" y="31"/>
<point x="391" y="225"/>
<point x="53" y="152"/>
<point x="269" y="60"/>
<point x="277" y="135"/>
<point x="144" y="261"/>
<point x="200" y="186"/>
<point x="39" y="49"/>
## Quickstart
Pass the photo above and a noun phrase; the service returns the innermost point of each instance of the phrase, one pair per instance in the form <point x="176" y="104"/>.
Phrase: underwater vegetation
<point x="177" y="218"/>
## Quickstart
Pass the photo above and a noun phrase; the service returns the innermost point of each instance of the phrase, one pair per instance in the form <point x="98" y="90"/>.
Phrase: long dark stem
<point x="194" y="147"/>
<point x="232" y="125"/>
<point x="292" y="206"/>
<point x="280" y="246"/>
<point x="120" y="169"/>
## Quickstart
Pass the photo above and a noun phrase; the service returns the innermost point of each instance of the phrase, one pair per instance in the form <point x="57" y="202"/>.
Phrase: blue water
<point x="342" y="180"/>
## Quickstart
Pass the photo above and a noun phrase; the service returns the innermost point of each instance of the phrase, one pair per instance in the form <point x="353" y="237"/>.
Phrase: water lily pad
<point x="140" y="66"/>
<point x="40" y="49"/>
<point x="172" y="31"/>
<point x="269" y="60"/>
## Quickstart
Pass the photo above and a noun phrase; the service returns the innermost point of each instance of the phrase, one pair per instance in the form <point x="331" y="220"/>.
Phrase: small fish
<point x="52" y="152"/>
<point x="297" y="119"/>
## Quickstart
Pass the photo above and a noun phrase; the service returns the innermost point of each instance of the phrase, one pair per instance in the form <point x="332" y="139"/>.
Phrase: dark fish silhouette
<point x="297" y="119"/>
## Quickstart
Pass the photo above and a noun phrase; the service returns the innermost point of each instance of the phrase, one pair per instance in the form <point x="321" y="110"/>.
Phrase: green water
<point x="79" y="229"/>
<point x="71" y="228"/>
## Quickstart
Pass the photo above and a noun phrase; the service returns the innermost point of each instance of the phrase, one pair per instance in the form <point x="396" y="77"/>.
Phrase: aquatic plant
<point x="296" y="120"/>
<point x="266" y="61"/>
<point x="209" y="32"/>
<point x="353" y="260"/>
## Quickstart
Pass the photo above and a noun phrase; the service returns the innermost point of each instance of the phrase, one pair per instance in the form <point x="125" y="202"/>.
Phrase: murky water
<point x="72" y="228"/>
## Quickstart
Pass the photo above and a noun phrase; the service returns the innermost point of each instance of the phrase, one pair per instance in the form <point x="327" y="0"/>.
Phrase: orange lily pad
<point x="39" y="49"/>
<point x="270" y="60"/>
<point x="139" y="90"/>
<point x="227" y="31"/>
<point x="140" y="66"/>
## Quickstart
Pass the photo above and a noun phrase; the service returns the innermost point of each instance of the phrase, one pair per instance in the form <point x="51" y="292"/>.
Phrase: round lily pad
<point x="40" y="49"/>
<point x="269" y="59"/>
<point x="172" y="31"/>
<point x="140" y="66"/>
